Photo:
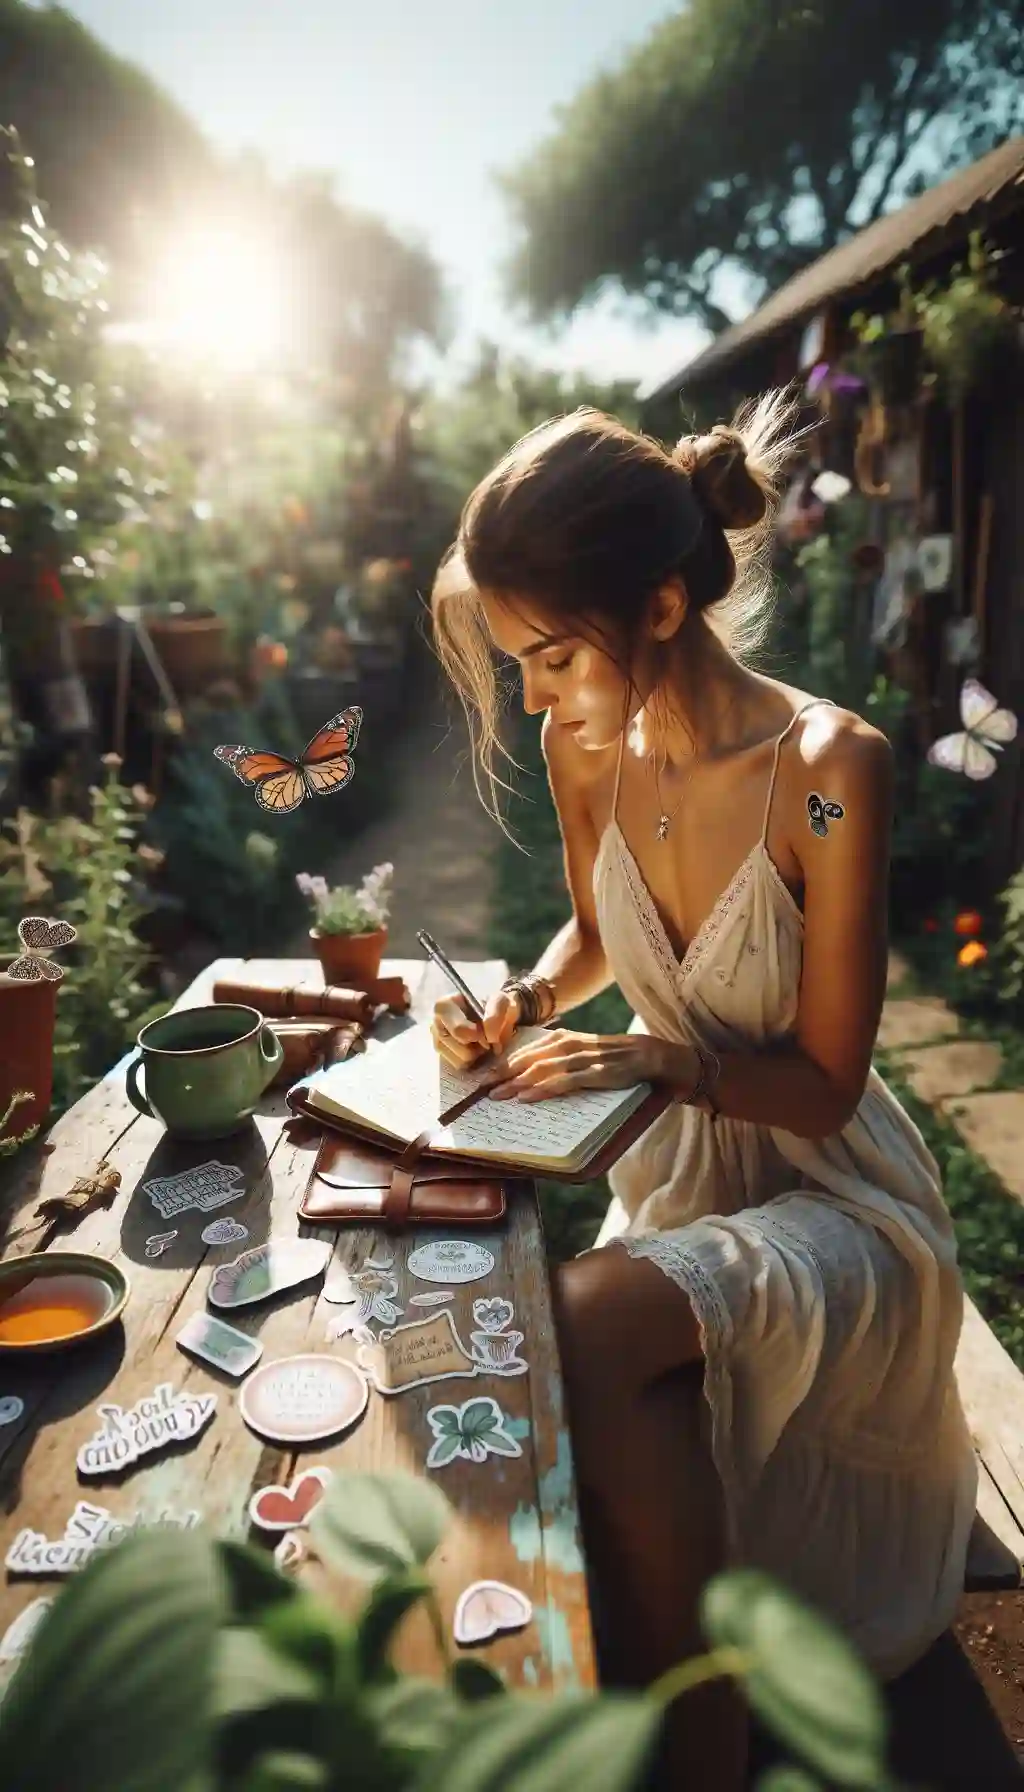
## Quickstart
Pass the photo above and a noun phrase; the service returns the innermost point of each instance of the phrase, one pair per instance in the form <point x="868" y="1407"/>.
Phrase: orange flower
<point x="968" y="922"/>
<point x="972" y="953"/>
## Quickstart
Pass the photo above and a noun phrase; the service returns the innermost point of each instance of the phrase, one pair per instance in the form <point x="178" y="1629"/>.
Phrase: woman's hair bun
<point x="721" y="476"/>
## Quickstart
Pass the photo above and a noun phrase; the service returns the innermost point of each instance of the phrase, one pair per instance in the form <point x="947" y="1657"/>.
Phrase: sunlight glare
<point x="220" y="295"/>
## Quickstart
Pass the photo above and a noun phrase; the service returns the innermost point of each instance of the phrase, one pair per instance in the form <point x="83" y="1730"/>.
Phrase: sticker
<point x="820" y="813"/>
<point x="159" y="1242"/>
<point x="435" y="1299"/>
<point x="412" y="1355"/>
<point x="338" y="1288"/>
<point x="39" y="935"/>
<point x="11" y="1407"/>
<point x="204" y="1188"/>
<point x="158" y="1419"/>
<point x="90" y="1528"/>
<point x="288" y="1508"/>
<point x="291" y="1552"/>
<point x="486" y="1608"/>
<point x="494" y="1346"/>
<point x="987" y="729"/>
<point x="451" y="1260"/>
<point x="224" y="1232"/>
<point x="221" y="1344"/>
<point x="349" y="1325"/>
<point x="384" y="1262"/>
<point x="269" y="1269"/>
<point x="304" y="1399"/>
<point x="375" y="1292"/>
<point x="474" y="1431"/>
<point x="280" y="784"/>
<point x="17" y="1636"/>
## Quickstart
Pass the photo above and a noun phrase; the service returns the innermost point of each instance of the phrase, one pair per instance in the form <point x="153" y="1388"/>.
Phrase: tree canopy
<point x="757" y="134"/>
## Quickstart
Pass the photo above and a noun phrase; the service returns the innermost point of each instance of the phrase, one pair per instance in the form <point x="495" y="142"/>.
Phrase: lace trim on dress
<point x="678" y="969"/>
<point x="684" y="1267"/>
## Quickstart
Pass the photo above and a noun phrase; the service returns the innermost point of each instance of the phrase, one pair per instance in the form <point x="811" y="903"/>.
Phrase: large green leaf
<point x="805" y="1681"/>
<point x="286" y="1773"/>
<point x="369" y="1525"/>
<point x="414" y="1715"/>
<point x="248" y="1674"/>
<point x="115" y="1688"/>
<point x="532" y="1743"/>
<point x="474" y="1679"/>
<point x="254" y="1582"/>
<point x="384" y="1610"/>
<point x="788" y="1779"/>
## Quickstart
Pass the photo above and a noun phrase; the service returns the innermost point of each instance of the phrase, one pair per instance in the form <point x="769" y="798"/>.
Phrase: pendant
<point x="663" y="827"/>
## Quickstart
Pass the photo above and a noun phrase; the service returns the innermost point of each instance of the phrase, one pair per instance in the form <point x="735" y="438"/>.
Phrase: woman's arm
<point x="574" y="962"/>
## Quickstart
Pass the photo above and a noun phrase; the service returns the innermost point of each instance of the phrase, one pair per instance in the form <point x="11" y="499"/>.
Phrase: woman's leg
<point x="651" y="1500"/>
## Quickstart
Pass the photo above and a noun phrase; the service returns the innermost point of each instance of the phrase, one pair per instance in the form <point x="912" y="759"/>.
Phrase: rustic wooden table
<point x="515" y="1519"/>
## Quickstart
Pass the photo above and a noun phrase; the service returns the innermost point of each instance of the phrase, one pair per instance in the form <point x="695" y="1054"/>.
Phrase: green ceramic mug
<point x="206" y="1069"/>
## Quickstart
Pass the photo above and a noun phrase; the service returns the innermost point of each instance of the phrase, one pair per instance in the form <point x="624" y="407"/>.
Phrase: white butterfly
<point x="987" y="729"/>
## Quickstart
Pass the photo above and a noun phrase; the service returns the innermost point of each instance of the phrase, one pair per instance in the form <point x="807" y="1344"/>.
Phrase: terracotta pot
<point x="192" y="650"/>
<point x="349" y="960"/>
<point x="27" y="1015"/>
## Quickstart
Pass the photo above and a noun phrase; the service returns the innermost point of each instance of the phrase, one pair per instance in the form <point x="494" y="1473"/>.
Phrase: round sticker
<point x="451" y="1260"/>
<point x="304" y="1398"/>
<point x="11" y="1408"/>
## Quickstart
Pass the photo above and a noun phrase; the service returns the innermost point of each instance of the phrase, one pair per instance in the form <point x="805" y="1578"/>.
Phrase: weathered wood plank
<point x="992" y="1390"/>
<point x="515" y="1519"/>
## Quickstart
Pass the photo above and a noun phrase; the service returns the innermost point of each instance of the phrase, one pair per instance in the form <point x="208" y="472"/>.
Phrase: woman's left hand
<point x="566" y="1062"/>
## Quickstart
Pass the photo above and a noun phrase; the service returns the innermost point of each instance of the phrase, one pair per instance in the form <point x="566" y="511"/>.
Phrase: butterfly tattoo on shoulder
<point x="280" y="785"/>
<point x="820" y="813"/>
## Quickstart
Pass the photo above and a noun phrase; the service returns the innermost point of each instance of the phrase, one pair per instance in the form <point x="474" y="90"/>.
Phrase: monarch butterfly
<point x="987" y="729"/>
<point x="38" y="935"/>
<point x="280" y="785"/>
<point x="820" y="813"/>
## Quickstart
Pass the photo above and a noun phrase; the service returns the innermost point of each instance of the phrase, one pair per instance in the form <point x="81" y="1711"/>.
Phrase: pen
<point x="433" y="950"/>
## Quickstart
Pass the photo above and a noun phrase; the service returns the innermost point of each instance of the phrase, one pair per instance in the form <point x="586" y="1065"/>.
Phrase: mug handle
<point x="274" y="1058"/>
<point x="134" y="1093"/>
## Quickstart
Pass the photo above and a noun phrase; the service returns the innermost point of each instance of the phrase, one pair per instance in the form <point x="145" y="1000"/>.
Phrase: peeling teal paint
<point x="556" y="1486"/>
<point x="556" y="1642"/>
<point x="518" y="1428"/>
<point x="531" y="1672"/>
<point x="561" y="1545"/>
<point x="525" y="1533"/>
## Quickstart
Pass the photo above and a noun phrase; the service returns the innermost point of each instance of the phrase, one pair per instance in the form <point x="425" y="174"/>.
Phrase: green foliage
<point x="680" y="160"/>
<point x="969" y="329"/>
<point x="839" y="650"/>
<point x="90" y="871"/>
<point x="348" y="909"/>
<point x="9" y="1146"/>
<point x="176" y="1664"/>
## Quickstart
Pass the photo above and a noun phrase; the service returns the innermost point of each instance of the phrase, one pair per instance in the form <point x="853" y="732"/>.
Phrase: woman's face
<point x="580" y="686"/>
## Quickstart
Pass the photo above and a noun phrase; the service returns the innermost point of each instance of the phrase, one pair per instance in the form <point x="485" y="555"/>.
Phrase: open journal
<point x="398" y="1088"/>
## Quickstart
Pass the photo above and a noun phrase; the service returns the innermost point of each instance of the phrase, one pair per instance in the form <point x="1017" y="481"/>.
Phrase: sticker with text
<point x="154" y="1422"/>
<point x="218" y="1343"/>
<point x="451" y="1260"/>
<point x="89" y="1529"/>
<point x="413" y="1355"/>
<point x="269" y="1269"/>
<point x="288" y="1508"/>
<point x="303" y="1399"/>
<point x="473" y="1431"/>
<point x="486" y="1609"/>
<point x="204" y="1188"/>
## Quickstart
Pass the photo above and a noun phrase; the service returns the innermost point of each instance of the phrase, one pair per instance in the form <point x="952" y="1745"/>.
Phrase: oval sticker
<point x="451" y="1260"/>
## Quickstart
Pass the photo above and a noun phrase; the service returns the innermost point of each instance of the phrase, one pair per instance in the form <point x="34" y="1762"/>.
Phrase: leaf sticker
<point x="473" y="1431"/>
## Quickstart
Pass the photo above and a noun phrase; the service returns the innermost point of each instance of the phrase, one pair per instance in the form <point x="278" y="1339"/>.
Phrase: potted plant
<point x="351" y="932"/>
<point x="969" y="330"/>
<point x="890" y="348"/>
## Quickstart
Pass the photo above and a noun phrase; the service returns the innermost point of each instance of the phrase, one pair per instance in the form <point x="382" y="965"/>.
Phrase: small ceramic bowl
<point x="54" y="1299"/>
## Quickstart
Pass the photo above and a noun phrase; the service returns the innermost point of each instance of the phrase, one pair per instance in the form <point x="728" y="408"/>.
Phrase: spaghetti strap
<point x="618" y="774"/>
<point x="775" y="761"/>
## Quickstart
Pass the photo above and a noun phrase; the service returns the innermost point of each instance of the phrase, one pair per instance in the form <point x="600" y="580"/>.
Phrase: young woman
<point x="761" y="1369"/>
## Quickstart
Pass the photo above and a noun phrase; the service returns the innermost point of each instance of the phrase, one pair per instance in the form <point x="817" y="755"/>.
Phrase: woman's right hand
<point x="460" y="1038"/>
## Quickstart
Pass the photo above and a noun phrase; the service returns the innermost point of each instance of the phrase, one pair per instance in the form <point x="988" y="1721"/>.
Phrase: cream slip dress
<point x="822" y="1273"/>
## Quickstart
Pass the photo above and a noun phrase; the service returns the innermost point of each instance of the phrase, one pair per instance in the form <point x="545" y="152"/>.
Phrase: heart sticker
<point x="287" y="1508"/>
<point x="487" y="1608"/>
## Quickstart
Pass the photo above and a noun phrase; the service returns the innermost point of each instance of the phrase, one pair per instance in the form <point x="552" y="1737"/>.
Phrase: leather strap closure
<point x="398" y="1198"/>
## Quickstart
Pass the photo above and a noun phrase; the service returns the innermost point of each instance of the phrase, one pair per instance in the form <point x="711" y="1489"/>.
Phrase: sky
<point x="410" y="104"/>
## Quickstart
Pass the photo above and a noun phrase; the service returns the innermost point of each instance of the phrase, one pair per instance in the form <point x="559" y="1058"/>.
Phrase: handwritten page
<point x="403" y="1086"/>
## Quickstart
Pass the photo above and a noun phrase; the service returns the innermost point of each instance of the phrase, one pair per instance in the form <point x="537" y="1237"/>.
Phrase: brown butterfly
<point x="280" y="785"/>
<point x="38" y="935"/>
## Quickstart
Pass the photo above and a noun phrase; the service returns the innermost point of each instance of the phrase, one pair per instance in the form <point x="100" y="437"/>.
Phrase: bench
<point x="515" y="1519"/>
<point x="992" y="1391"/>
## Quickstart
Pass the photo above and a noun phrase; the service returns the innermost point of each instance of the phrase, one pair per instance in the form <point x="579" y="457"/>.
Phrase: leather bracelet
<point x="528" y="991"/>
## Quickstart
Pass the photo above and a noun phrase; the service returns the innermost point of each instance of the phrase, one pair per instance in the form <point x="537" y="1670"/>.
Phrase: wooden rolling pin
<point x="282" y="1003"/>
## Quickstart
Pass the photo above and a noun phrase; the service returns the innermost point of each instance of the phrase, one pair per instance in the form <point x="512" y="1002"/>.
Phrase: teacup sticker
<point x="90" y="1528"/>
<point x="154" y="1422"/>
<point x="224" y="1232"/>
<point x="289" y="1508"/>
<point x="218" y="1343"/>
<point x="451" y="1260"/>
<point x="473" y="1431"/>
<point x="487" y="1608"/>
<point x="19" y="1634"/>
<point x="412" y="1355"/>
<point x="494" y="1346"/>
<point x="303" y="1399"/>
<point x="204" y="1188"/>
<point x="269" y="1269"/>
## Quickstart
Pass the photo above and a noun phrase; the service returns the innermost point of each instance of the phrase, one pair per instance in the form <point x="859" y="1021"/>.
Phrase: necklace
<point x="665" y="820"/>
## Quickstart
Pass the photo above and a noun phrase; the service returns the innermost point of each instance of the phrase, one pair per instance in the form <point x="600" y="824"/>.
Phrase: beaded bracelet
<point x="535" y="995"/>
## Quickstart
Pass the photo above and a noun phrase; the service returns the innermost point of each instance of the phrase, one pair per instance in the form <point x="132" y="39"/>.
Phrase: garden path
<point x="435" y="833"/>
